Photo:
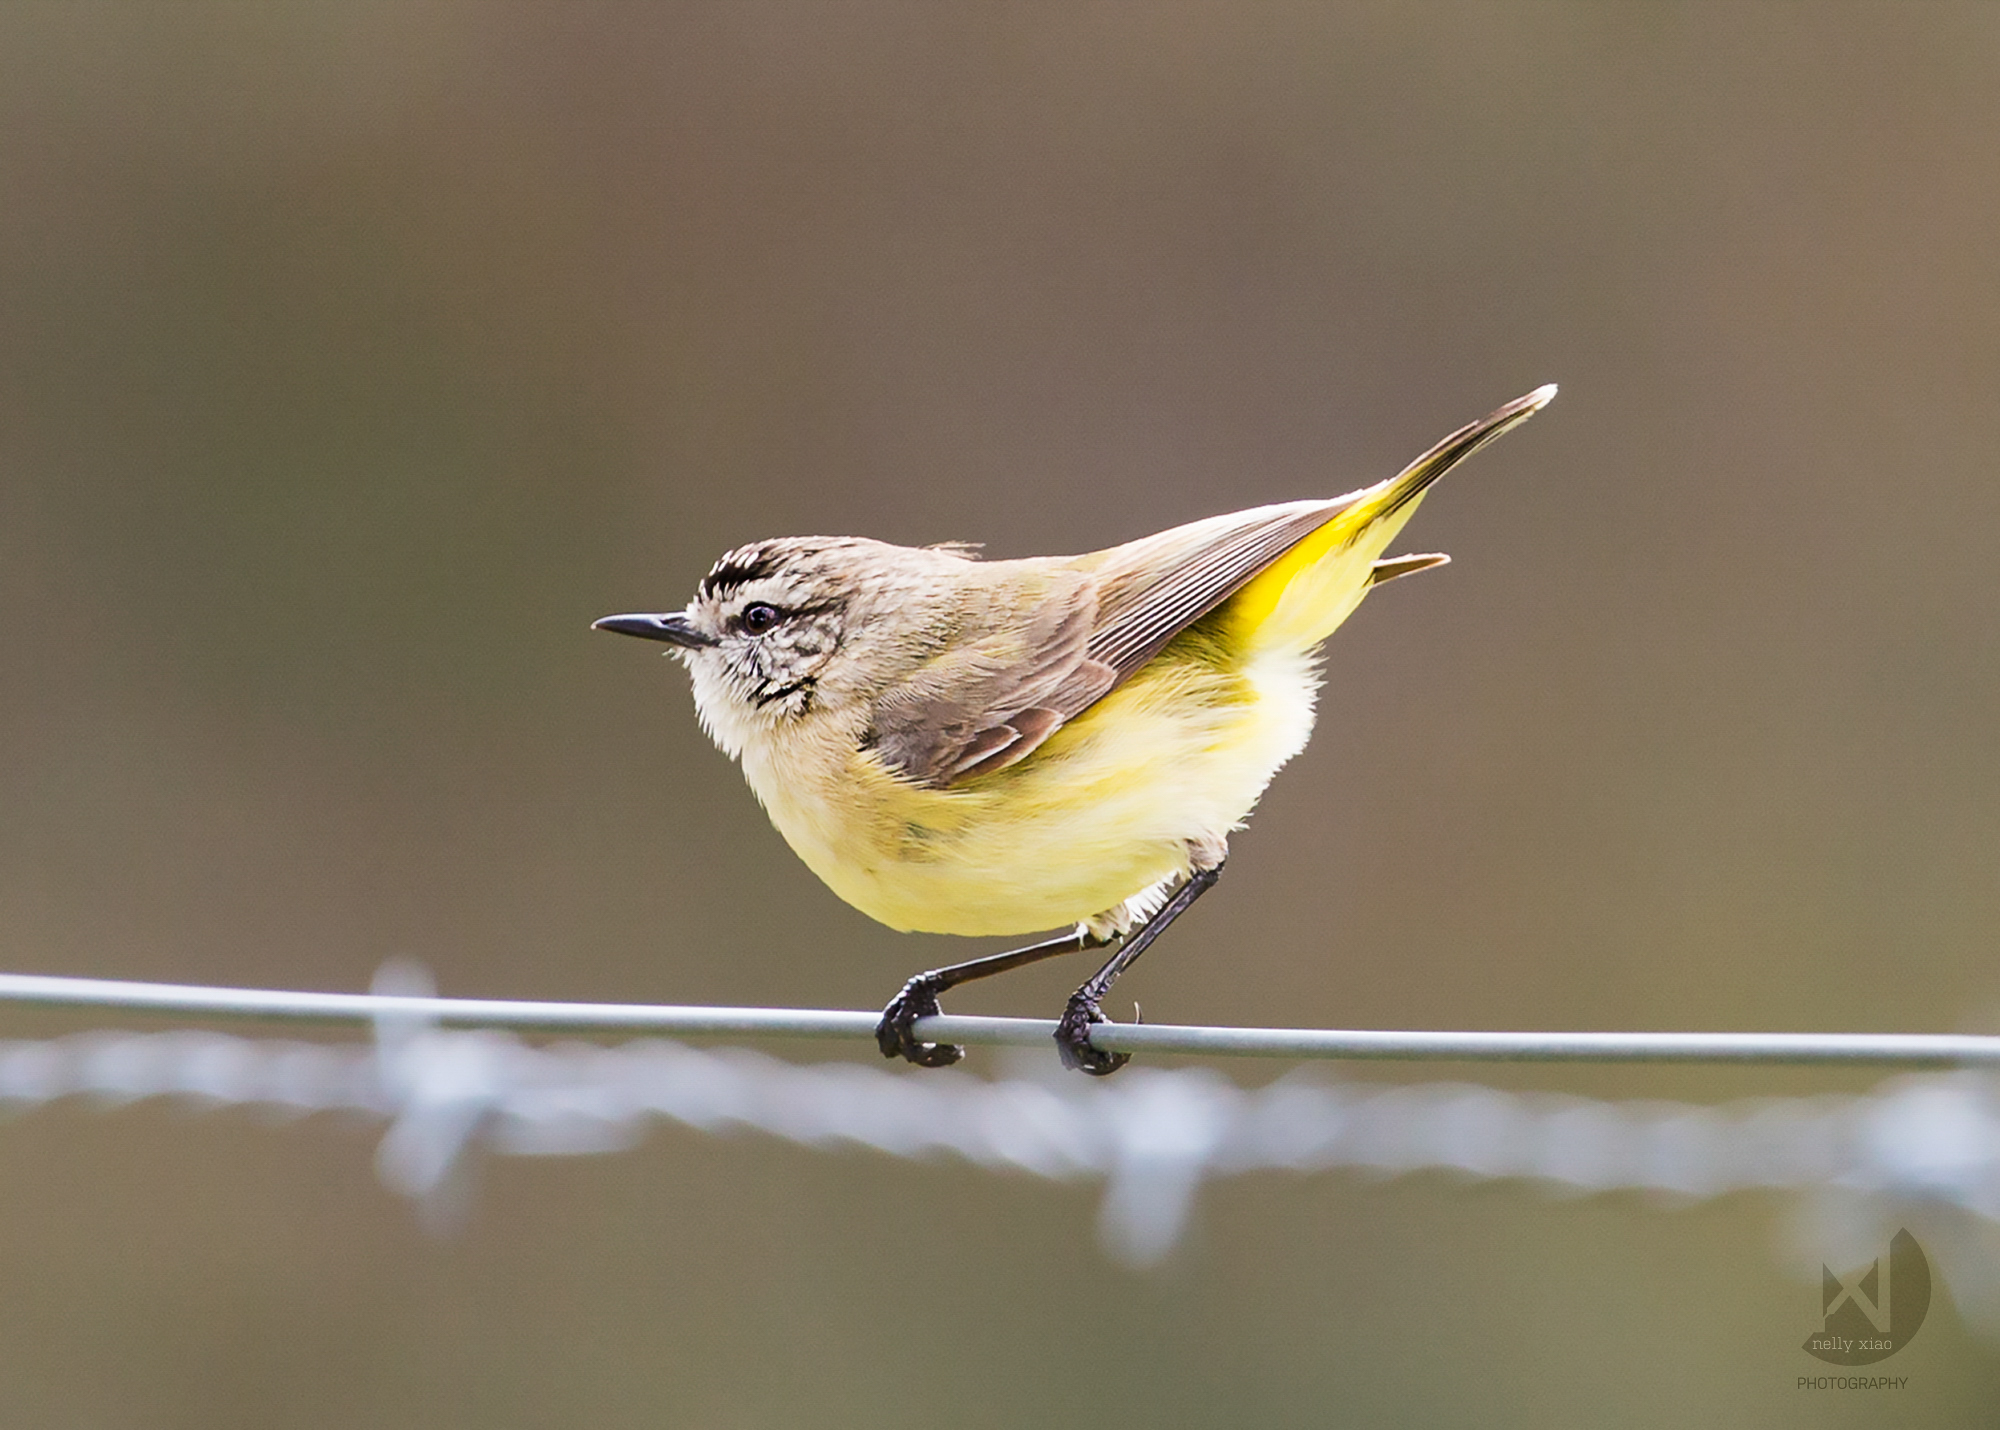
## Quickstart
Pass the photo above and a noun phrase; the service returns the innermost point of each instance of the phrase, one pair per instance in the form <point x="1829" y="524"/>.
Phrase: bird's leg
<point x="919" y="998"/>
<point x="1073" y="1031"/>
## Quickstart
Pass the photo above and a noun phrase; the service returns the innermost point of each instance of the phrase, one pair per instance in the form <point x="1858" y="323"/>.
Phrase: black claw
<point x="1073" y="1039"/>
<point x="893" y="1035"/>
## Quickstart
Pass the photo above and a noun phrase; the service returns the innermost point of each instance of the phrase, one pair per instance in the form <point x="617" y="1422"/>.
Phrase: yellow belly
<point x="1107" y="808"/>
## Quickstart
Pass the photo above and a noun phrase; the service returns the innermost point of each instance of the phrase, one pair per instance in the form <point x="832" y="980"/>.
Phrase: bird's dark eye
<point x="759" y="617"/>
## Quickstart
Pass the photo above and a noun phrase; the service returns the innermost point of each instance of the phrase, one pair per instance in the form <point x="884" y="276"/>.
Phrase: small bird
<point x="995" y="747"/>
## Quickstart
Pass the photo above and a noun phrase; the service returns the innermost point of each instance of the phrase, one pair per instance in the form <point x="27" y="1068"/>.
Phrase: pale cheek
<point x="722" y="714"/>
<point x="745" y="664"/>
<point x="807" y="652"/>
<point x="816" y="642"/>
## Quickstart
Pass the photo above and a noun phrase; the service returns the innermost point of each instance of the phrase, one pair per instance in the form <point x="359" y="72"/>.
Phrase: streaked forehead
<point x="739" y="567"/>
<point x="784" y="562"/>
<point x="783" y="569"/>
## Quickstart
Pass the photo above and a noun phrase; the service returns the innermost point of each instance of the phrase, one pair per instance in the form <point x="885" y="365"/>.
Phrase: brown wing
<point x="991" y="702"/>
<point x="988" y="702"/>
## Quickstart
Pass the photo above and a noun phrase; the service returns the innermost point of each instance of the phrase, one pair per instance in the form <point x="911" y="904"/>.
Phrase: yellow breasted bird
<point x="994" y="747"/>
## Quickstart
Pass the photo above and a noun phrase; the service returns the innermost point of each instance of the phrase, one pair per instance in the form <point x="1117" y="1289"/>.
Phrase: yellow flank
<point x="1302" y="597"/>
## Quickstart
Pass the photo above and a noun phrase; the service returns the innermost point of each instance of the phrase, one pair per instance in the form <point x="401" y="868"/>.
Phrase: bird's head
<point x="783" y="629"/>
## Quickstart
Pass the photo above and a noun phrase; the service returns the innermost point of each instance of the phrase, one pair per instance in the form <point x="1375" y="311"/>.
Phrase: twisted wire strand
<point x="1923" y="1147"/>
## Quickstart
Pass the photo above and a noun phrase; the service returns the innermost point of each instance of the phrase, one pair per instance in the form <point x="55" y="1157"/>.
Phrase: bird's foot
<point x="894" y="1035"/>
<point x="1073" y="1039"/>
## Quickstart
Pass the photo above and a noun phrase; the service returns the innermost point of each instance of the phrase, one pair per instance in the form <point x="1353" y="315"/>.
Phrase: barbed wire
<point x="1919" y="1149"/>
<point x="1915" y="1050"/>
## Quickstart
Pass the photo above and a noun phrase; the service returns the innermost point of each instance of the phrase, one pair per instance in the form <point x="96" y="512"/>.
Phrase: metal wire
<point x="1920" y="1150"/>
<point x="1910" y="1050"/>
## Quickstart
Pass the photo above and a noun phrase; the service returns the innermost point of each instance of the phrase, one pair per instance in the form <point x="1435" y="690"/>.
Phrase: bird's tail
<point x="1302" y="597"/>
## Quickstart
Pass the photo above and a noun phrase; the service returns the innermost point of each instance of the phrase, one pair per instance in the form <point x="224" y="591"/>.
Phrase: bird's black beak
<point x="674" y="628"/>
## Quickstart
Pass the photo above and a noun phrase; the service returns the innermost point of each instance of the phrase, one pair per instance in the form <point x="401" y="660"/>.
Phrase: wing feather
<point x="990" y="701"/>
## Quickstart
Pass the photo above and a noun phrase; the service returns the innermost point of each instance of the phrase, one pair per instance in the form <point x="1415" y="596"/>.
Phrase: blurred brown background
<point x="353" y="358"/>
